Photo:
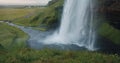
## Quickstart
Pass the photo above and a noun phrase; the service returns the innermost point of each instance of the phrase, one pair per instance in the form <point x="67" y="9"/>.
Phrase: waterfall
<point x="76" y="25"/>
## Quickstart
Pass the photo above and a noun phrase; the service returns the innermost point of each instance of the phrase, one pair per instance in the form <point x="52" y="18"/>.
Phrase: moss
<point x="110" y="33"/>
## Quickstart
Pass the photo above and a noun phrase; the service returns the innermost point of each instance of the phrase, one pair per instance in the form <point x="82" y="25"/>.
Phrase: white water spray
<point x="76" y="25"/>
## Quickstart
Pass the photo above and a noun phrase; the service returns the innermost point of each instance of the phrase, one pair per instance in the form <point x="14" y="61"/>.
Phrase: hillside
<point x="13" y="41"/>
<point x="44" y="17"/>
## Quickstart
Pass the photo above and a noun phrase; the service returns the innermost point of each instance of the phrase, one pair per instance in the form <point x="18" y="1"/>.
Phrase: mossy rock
<point x="109" y="32"/>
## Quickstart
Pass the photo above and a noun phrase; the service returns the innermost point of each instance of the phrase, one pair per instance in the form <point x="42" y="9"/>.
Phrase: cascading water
<point x="76" y="25"/>
<point x="76" y="28"/>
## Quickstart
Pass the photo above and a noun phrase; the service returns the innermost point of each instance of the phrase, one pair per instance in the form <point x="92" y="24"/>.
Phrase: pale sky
<point x="23" y="2"/>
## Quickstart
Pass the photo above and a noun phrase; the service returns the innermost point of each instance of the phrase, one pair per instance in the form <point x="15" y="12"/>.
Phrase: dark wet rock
<point x="107" y="46"/>
<point x="111" y="11"/>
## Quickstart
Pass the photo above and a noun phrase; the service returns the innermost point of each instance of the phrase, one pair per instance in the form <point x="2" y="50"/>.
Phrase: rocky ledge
<point x="111" y="10"/>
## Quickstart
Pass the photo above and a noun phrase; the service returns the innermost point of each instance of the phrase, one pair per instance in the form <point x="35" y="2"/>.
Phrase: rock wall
<point x="111" y="10"/>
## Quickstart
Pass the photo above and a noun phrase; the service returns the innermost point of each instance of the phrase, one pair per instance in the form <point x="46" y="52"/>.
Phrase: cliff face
<point x="110" y="29"/>
<point x="111" y="11"/>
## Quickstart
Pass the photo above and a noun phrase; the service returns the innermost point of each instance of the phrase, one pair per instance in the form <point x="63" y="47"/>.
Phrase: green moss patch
<point x="10" y="35"/>
<point x="110" y="33"/>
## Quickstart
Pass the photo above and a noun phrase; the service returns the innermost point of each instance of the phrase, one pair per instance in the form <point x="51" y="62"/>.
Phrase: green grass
<point x="14" y="13"/>
<point x="9" y="35"/>
<point x="35" y="17"/>
<point x="45" y="17"/>
<point x="21" y="16"/>
<point x="26" y="19"/>
<point x="26" y="55"/>
<point x="109" y="32"/>
<point x="17" y="52"/>
<point x="12" y="40"/>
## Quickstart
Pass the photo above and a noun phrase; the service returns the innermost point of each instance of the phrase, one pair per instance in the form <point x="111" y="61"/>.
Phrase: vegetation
<point x="26" y="55"/>
<point x="10" y="36"/>
<point x="22" y="16"/>
<point x="111" y="33"/>
<point x="13" y="47"/>
<point x="45" y="17"/>
<point x="17" y="52"/>
<point x="30" y="18"/>
<point x="11" y="14"/>
<point x="40" y="16"/>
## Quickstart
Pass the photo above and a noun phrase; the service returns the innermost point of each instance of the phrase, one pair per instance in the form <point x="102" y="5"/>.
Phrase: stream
<point x="36" y="38"/>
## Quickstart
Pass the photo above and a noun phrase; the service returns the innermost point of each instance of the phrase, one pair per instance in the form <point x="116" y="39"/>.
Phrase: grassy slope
<point x="9" y="35"/>
<point x="110" y="33"/>
<point x="27" y="20"/>
<point x="26" y="55"/>
<point x="46" y="16"/>
<point x="14" y="13"/>
<point x="22" y="16"/>
<point x="41" y="16"/>
<point x="20" y="54"/>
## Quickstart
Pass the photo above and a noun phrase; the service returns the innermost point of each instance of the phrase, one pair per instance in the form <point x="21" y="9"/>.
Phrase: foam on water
<point x="76" y="28"/>
<point x="76" y="25"/>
